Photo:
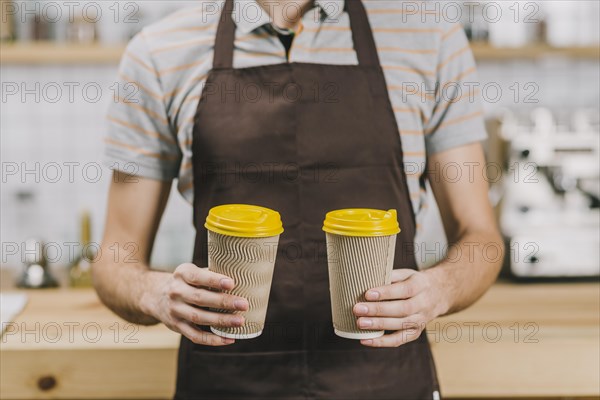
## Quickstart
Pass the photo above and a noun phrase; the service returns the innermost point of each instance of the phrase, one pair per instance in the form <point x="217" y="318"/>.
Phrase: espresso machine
<point x="549" y="210"/>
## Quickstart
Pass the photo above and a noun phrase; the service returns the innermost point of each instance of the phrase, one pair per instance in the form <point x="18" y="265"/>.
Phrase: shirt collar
<point x="248" y="15"/>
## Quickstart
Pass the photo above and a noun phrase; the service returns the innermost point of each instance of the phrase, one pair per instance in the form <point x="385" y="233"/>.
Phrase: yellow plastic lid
<point x="361" y="222"/>
<point x="244" y="220"/>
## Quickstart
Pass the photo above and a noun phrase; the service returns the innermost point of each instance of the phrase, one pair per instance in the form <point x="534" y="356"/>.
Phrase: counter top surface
<point x="518" y="340"/>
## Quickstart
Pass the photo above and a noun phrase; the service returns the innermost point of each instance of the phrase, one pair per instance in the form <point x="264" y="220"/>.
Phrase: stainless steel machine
<point x="550" y="204"/>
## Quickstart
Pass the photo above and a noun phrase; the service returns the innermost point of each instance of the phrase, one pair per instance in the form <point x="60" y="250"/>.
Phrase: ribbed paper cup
<point x="250" y="262"/>
<point x="358" y="260"/>
<point x="356" y="264"/>
<point x="241" y="245"/>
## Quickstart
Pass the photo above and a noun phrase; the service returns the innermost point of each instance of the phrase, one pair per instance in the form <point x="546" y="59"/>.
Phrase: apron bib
<point x="302" y="139"/>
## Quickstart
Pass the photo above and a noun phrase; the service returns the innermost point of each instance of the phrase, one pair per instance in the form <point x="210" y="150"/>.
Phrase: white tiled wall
<point x="556" y="83"/>
<point x="44" y="134"/>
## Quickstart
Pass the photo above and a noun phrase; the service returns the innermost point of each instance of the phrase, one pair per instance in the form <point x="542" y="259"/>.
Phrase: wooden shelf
<point x="50" y="53"/>
<point x="485" y="52"/>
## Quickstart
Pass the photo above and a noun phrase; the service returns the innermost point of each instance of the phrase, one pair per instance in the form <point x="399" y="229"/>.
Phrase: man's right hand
<point x="140" y="295"/>
<point x="176" y="302"/>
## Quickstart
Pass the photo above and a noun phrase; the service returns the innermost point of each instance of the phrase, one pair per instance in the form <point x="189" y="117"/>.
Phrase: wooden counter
<point x="519" y="340"/>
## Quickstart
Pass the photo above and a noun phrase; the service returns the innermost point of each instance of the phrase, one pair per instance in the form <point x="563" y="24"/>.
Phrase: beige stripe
<point x="407" y="30"/>
<point x="414" y="154"/>
<point x="406" y="110"/>
<point x="416" y="111"/>
<point x="250" y="36"/>
<point x="181" y="45"/>
<point x="188" y="121"/>
<point x="139" y="150"/>
<point x="328" y="28"/>
<point x="350" y="49"/>
<point x="376" y="30"/>
<point x="414" y="92"/>
<point x="186" y="165"/>
<point x="191" y="98"/>
<point x="408" y="69"/>
<point x="447" y="104"/>
<point x="249" y="54"/>
<point x="414" y="195"/>
<point x="456" y="121"/>
<point x="413" y="174"/>
<point x="145" y="110"/>
<point x="176" y="91"/>
<point x="453" y="56"/>
<point x="146" y="132"/>
<point x="127" y="79"/>
<point x="180" y="67"/>
<point x="460" y="76"/>
<point x="323" y="49"/>
<point x="410" y="132"/>
<point x="141" y="63"/>
<point x="408" y="51"/>
<point x="451" y="32"/>
<point x="187" y="186"/>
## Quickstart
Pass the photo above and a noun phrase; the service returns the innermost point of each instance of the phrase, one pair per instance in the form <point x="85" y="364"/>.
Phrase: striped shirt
<point x="427" y="62"/>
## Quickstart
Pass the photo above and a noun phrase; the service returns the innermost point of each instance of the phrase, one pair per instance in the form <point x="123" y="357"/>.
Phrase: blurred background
<point x="539" y="79"/>
<point x="539" y="72"/>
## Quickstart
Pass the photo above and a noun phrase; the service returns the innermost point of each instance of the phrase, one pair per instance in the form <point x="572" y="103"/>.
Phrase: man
<point x="345" y="94"/>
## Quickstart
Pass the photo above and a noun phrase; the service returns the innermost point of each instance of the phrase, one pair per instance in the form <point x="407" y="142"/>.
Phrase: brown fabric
<point x="337" y="147"/>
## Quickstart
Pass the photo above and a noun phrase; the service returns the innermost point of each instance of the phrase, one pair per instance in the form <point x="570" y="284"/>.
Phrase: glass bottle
<point x="80" y="270"/>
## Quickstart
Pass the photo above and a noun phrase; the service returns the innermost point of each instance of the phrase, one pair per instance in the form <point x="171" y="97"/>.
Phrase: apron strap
<point x="225" y="38"/>
<point x="362" y="35"/>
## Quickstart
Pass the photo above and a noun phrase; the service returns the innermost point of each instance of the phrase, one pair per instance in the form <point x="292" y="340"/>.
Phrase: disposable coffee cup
<point x="360" y="256"/>
<point x="242" y="244"/>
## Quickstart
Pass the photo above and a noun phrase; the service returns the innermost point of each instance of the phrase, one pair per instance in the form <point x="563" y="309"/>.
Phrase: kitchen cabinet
<point x="519" y="340"/>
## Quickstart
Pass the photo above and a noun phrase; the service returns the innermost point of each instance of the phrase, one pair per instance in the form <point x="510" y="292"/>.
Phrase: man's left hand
<point x="406" y="306"/>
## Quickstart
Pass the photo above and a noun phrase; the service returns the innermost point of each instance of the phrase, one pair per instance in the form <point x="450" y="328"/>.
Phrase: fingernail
<point x="228" y="340"/>
<point x="364" y="323"/>
<point x="372" y="295"/>
<point x="238" y="321"/>
<point x="240" y="304"/>
<point x="226" y="283"/>
<point x="362" y="309"/>
<point x="367" y="341"/>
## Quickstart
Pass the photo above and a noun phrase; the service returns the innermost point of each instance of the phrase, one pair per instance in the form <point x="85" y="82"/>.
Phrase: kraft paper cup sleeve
<point x="356" y="264"/>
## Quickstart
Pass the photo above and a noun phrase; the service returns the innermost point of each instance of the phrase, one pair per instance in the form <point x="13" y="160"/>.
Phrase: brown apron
<point x="301" y="139"/>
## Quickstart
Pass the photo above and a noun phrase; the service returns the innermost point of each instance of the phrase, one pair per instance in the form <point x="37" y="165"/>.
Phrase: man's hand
<point x="415" y="298"/>
<point x="176" y="301"/>
<point x="140" y="295"/>
<point x="405" y="306"/>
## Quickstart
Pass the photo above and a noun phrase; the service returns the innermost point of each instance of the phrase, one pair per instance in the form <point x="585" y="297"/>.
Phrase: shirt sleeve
<point x="457" y="115"/>
<point x="140" y="139"/>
